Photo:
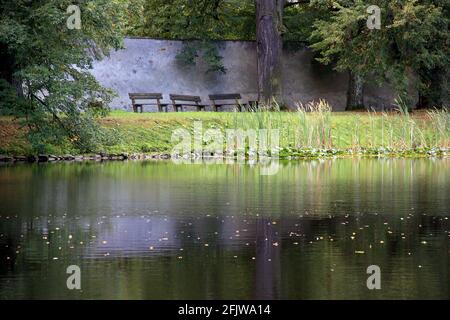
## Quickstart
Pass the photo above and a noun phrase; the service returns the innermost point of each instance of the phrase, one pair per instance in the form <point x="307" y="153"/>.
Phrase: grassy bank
<point x="302" y="133"/>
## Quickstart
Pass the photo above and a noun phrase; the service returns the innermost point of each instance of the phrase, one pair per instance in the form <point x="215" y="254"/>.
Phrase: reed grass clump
<point x="314" y="127"/>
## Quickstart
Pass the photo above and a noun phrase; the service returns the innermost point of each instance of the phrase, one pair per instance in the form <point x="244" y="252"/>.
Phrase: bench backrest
<point x="145" y="96"/>
<point x="179" y="97"/>
<point x="231" y="96"/>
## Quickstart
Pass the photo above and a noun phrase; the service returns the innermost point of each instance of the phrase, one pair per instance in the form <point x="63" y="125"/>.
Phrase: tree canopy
<point x="413" y="38"/>
<point x="46" y="81"/>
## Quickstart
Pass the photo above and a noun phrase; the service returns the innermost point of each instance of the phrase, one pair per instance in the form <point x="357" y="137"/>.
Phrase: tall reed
<point x="314" y="126"/>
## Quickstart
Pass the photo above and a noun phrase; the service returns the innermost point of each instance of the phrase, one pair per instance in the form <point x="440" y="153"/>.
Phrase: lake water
<point x="157" y="230"/>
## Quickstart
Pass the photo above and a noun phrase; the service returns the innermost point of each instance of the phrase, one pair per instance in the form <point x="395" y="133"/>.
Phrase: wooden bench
<point x="154" y="97"/>
<point x="178" y="101"/>
<point x="221" y="100"/>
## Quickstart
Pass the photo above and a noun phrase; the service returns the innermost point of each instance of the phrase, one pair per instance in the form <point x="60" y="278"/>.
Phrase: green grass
<point x="313" y="127"/>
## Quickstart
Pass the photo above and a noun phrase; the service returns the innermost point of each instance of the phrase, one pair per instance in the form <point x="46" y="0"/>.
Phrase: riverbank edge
<point x="284" y="154"/>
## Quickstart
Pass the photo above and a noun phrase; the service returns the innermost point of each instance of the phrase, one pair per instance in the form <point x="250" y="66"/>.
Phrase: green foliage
<point x="413" y="37"/>
<point x="209" y="52"/>
<point x="8" y="98"/>
<point x="342" y="38"/>
<point x="299" y="20"/>
<point x="58" y="98"/>
<point x="202" y="20"/>
<point x="199" y="19"/>
<point x="133" y="17"/>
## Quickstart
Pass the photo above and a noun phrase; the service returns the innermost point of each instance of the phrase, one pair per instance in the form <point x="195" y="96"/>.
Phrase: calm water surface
<point x="156" y="230"/>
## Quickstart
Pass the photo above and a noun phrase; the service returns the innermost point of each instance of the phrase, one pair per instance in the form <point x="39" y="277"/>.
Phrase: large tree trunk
<point x="355" y="93"/>
<point x="269" y="26"/>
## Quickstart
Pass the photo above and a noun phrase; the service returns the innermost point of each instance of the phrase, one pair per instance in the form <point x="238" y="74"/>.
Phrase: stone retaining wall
<point x="148" y="65"/>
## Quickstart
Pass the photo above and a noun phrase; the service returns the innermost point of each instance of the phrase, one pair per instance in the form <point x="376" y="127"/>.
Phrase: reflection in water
<point x="162" y="231"/>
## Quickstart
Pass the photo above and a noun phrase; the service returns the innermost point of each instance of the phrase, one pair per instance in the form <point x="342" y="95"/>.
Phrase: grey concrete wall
<point x="148" y="65"/>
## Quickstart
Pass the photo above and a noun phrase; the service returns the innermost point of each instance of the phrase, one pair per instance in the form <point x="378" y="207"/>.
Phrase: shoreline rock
<point x="284" y="155"/>
<point x="4" y="158"/>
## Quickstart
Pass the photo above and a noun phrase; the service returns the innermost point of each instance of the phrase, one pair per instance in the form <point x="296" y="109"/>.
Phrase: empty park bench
<point x="154" y="99"/>
<point x="178" y="101"/>
<point x="222" y="100"/>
